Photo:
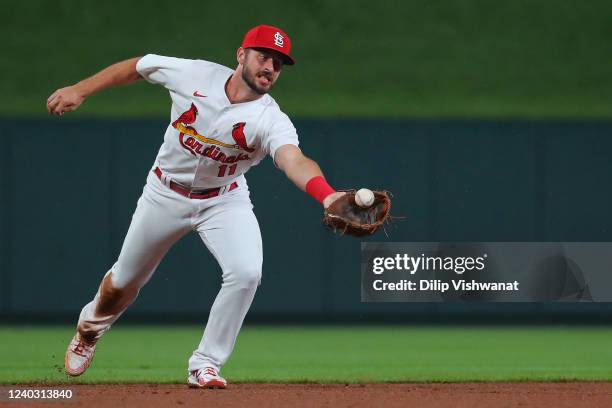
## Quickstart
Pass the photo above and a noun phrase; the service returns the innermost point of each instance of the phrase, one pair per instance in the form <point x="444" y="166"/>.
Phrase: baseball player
<point x="223" y="122"/>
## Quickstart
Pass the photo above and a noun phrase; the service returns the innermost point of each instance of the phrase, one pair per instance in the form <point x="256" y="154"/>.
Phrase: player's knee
<point x="247" y="276"/>
<point x="115" y="284"/>
<point x="250" y="277"/>
<point x="113" y="281"/>
<point x="124" y="280"/>
<point x="114" y="297"/>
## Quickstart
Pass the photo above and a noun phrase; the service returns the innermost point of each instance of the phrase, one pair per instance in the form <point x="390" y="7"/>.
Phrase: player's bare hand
<point x="64" y="100"/>
<point x="332" y="197"/>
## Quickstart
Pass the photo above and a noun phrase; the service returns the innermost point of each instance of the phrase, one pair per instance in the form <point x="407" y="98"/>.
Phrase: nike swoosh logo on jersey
<point x="196" y="93"/>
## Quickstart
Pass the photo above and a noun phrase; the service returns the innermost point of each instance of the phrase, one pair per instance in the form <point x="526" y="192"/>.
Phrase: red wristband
<point x="318" y="188"/>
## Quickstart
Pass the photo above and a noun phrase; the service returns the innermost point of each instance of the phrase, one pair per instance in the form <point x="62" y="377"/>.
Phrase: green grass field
<point x="457" y="58"/>
<point x="321" y="354"/>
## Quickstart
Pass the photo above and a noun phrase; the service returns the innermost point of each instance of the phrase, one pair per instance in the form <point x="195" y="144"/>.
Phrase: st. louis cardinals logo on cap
<point x="279" y="39"/>
<point x="271" y="38"/>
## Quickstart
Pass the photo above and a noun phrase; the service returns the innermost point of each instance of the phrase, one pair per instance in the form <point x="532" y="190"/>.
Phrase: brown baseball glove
<point x="344" y="216"/>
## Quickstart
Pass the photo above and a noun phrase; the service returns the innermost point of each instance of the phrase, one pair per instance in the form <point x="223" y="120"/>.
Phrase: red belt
<point x="197" y="194"/>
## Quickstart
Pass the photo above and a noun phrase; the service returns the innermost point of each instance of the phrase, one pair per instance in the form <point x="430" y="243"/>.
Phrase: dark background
<point x="69" y="188"/>
<point x="488" y="121"/>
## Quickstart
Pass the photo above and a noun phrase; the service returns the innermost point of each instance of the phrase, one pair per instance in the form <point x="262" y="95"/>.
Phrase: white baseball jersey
<point x="210" y="142"/>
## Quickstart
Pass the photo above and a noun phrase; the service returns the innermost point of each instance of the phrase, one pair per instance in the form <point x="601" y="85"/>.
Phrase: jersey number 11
<point x="223" y="167"/>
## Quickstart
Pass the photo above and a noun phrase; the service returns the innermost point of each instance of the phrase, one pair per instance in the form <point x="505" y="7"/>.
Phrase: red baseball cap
<point x="271" y="38"/>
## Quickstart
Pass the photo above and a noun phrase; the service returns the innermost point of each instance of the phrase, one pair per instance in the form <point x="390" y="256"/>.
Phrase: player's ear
<point x="240" y="55"/>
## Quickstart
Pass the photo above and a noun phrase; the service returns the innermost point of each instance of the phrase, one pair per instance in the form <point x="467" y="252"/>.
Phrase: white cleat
<point x="78" y="356"/>
<point x="206" y="378"/>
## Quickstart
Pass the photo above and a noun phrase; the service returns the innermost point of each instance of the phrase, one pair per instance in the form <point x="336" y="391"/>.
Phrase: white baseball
<point x="364" y="197"/>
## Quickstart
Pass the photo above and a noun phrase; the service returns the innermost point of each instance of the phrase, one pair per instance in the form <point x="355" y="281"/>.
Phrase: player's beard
<point x="250" y="80"/>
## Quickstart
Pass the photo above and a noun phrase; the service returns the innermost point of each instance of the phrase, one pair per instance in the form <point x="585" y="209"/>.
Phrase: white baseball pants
<point x="230" y="231"/>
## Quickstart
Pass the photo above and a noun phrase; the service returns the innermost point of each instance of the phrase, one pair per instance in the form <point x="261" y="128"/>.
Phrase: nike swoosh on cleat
<point x="196" y="93"/>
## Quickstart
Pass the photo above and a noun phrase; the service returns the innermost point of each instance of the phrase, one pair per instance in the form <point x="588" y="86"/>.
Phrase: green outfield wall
<point x="68" y="189"/>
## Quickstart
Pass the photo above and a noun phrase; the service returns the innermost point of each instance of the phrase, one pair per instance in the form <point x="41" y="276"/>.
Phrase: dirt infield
<point x="472" y="395"/>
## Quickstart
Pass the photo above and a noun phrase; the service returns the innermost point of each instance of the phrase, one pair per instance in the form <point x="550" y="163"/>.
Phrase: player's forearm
<point x="302" y="170"/>
<point x="305" y="174"/>
<point x="119" y="74"/>
<point x="308" y="177"/>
